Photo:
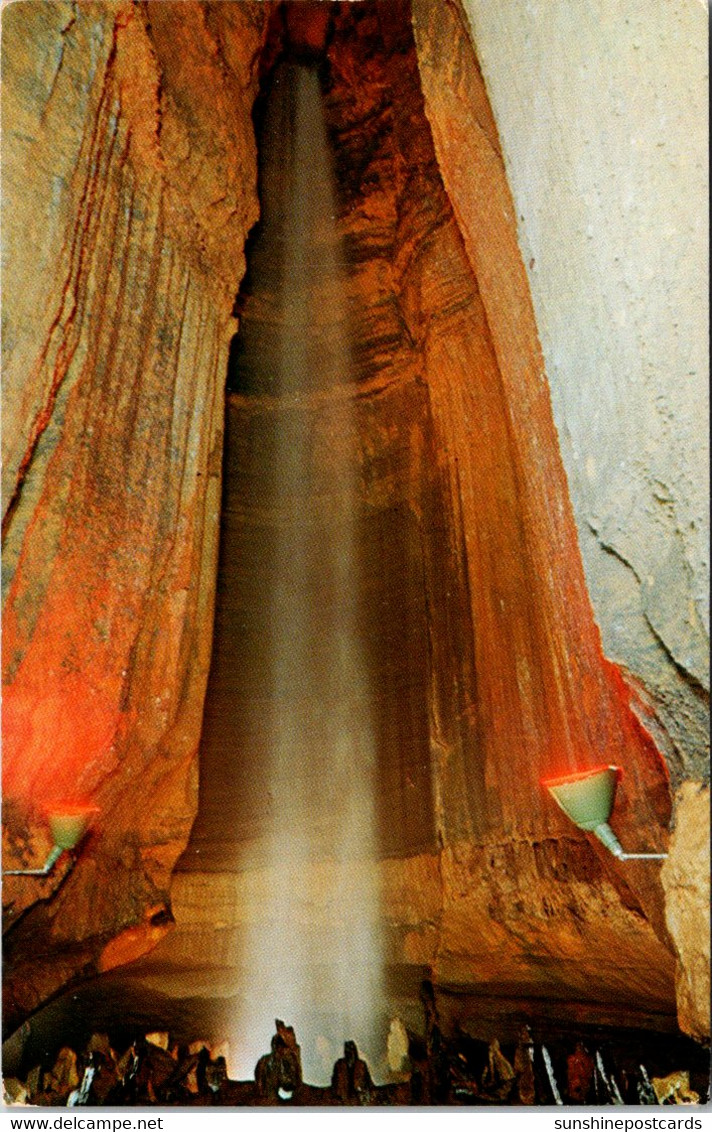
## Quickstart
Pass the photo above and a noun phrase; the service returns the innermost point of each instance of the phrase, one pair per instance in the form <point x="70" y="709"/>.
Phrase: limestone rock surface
<point x="686" y="880"/>
<point x="128" y="191"/>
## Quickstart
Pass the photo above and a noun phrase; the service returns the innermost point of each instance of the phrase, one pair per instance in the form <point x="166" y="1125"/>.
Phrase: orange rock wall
<point x="526" y="691"/>
<point x="128" y="190"/>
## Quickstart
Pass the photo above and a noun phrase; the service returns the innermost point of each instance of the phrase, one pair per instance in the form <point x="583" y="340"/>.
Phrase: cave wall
<point x="606" y="156"/>
<point x="136" y="229"/>
<point x="126" y="202"/>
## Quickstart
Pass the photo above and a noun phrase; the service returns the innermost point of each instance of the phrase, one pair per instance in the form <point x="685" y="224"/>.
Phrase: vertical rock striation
<point x="672" y="708"/>
<point x="129" y="169"/>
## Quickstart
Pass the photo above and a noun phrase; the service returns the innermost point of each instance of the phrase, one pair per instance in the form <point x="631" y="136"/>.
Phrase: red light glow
<point x="71" y="810"/>
<point x="53" y="738"/>
<point x="578" y="775"/>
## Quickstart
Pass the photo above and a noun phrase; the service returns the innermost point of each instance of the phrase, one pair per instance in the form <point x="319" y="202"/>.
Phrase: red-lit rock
<point x="307" y="25"/>
<point x="116" y="341"/>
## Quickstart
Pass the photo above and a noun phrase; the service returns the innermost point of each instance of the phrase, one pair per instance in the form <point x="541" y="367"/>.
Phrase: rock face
<point x="133" y="128"/>
<point x="631" y="473"/>
<point x="484" y="654"/>
<point x="606" y="157"/>
<point x="686" y="881"/>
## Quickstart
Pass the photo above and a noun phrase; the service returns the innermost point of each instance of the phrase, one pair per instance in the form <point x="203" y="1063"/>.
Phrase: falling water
<point x="311" y="954"/>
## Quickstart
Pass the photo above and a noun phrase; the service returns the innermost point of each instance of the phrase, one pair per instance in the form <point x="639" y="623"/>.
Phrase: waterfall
<point x="311" y="934"/>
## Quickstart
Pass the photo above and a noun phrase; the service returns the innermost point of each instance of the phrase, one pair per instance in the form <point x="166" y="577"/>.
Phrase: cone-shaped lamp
<point x="587" y="798"/>
<point x="68" y="823"/>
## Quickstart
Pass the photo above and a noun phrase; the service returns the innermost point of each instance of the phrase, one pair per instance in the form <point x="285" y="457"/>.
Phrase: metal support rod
<point x="55" y="854"/>
<point x="605" y="834"/>
<point x="642" y="856"/>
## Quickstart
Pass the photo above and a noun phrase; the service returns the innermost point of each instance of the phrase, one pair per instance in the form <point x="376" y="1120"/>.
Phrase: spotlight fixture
<point x="587" y="798"/>
<point x="67" y="823"/>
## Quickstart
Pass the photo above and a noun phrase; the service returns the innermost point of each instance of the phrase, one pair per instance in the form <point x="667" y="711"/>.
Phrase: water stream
<point x="311" y="953"/>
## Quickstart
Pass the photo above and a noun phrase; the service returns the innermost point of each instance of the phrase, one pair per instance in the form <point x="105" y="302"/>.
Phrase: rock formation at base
<point x="129" y="191"/>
